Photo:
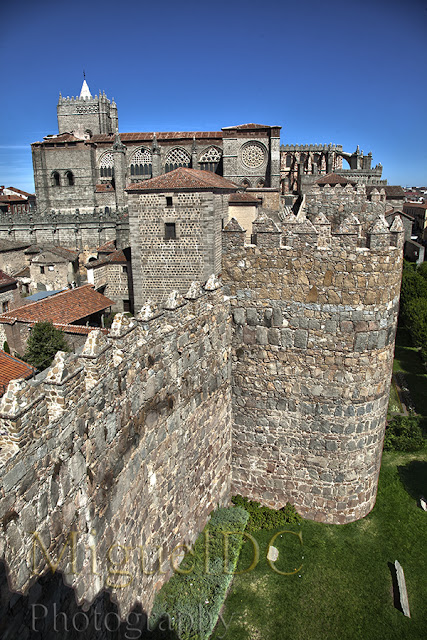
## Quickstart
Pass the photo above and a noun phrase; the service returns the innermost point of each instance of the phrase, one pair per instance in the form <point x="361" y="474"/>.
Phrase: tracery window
<point x="106" y="165"/>
<point x="177" y="158"/>
<point x="210" y="159"/>
<point x="141" y="163"/>
<point x="253" y="155"/>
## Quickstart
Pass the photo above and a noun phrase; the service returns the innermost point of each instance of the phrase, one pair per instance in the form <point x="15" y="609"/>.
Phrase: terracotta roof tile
<point x="104" y="187"/>
<point x="11" y="245"/>
<point x="107" y="247"/>
<point x="147" y="136"/>
<point x="114" y="257"/>
<point x="243" y="198"/>
<point x="6" y="280"/>
<point x="184" y="179"/>
<point x="23" y="193"/>
<point x="12" y="368"/>
<point x="65" y="307"/>
<point x="392" y="191"/>
<point x="334" y="178"/>
<point x="250" y="125"/>
<point x="415" y="205"/>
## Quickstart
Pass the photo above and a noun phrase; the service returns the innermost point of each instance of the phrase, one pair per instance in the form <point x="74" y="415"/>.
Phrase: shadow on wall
<point x="49" y="612"/>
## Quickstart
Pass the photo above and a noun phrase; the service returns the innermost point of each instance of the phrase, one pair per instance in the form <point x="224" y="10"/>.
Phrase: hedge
<point x="264" y="518"/>
<point x="189" y="604"/>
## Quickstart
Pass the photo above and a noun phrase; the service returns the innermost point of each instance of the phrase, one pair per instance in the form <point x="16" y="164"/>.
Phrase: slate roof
<point x="65" y="307"/>
<point x="12" y="368"/>
<point x="184" y="179"/>
<point x="6" y="280"/>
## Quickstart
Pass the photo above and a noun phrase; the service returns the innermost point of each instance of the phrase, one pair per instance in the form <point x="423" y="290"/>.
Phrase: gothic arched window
<point x="106" y="165"/>
<point x="288" y="160"/>
<point x="69" y="177"/>
<point x="56" y="180"/>
<point x="177" y="158"/>
<point x="141" y="163"/>
<point x="210" y="159"/>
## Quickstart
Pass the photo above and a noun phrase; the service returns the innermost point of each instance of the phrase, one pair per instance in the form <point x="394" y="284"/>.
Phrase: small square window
<point x="168" y="201"/>
<point x="51" y="267"/>
<point x="170" y="231"/>
<point x="124" y="269"/>
<point x="5" y="306"/>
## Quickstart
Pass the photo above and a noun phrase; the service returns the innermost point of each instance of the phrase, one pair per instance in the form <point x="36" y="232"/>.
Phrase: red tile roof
<point x="15" y="198"/>
<point x="114" y="257"/>
<point x="251" y="125"/>
<point x="243" y="198"/>
<point x="65" y="307"/>
<point x="12" y="368"/>
<point x="108" y="247"/>
<point x="334" y="178"/>
<point x="103" y="187"/>
<point x="184" y="179"/>
<point x="6" y="280"/>
<point x="160" y="135"/>
<point x="23" y="193"/>
<point x="416" y="205"/>
<point x="392" y="191"/>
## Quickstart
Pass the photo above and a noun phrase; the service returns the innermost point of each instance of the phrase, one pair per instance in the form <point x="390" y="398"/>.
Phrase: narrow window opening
<point x="170" y="231"/>
<point x="168" y="201"/>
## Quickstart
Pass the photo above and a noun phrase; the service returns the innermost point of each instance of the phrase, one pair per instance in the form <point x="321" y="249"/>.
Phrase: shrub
<point x="264" y="518"/>
<point x="43" y="343"/>
<point x="6" y="347"/>
<point x="191" y="602"/>
<point x="404" y="434"/>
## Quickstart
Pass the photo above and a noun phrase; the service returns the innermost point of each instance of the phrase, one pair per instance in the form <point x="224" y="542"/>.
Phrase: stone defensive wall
<point x="314" y="320"/>
<point x="80" y="231"/>
<point x="114" y="457"/>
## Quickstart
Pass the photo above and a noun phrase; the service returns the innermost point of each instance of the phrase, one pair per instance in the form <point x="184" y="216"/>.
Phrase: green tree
<point x="422" y="270"/>
<point x="415" y="317"/>
<point x="43" y="343"/>
<point x="414" y="286"/>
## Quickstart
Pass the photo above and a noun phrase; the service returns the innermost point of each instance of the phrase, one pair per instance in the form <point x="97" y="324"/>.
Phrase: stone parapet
<point x="126" y="443"/>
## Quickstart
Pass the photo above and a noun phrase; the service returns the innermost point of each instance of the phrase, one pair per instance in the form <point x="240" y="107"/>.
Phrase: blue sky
<point x="333" y="71"/>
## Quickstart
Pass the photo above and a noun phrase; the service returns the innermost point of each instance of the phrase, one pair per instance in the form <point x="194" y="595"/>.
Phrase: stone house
<point x="9" y="294"/>
<point x="175" y="223"/>
<point x="111" y="274"/>
<point x="74" y="311"/>
<point x="15" y="201"/>
<point x="12" y="255"/>
<point x="53" y="268"/>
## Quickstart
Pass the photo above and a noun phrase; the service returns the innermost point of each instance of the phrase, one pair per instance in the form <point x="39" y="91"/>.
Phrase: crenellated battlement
<point x="126" y="443"/>
<point x="314" y="318"/>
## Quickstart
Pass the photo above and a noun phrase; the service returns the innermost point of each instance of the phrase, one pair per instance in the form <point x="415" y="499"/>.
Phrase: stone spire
<point x="85" y="93"/>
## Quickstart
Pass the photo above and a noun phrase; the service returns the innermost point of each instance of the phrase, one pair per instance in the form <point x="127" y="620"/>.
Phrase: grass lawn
<point x="345" y="588"/>
<point x="407" y="360"/>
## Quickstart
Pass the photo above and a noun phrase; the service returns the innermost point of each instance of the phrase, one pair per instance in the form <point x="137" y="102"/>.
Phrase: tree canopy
<point x="43" y="343"/>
